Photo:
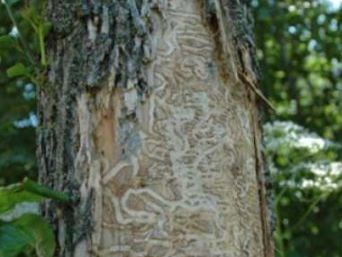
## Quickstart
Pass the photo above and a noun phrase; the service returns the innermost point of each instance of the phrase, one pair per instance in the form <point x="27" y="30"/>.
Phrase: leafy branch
<point x="40" y="28"/>
<point x="29" y="231"/>
<point x="26" y="49"/>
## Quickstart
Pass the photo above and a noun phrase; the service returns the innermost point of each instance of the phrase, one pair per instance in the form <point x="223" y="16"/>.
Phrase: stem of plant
<point x="310" y="209"/>
<point x="42" y="46"/>
<point x="279" y="234"/>
<point x="42" y="190"/>
<point x="22" y="41"/>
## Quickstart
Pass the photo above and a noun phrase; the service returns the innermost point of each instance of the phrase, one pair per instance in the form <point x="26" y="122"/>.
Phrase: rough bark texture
<point x="149" y="118"/>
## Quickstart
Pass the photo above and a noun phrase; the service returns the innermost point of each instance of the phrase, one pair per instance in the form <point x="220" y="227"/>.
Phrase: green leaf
<point x="14" y="194"/>
<point x="12" y="240"/>
<point x="18" y="69"/>
<point x="28" y="231"/>
<point x="46" y="28"/>
<point x="35" y="227"/>
<point x="28" y="191"/>
<point x="42" y="190"/>
<point x="6" y="41"/>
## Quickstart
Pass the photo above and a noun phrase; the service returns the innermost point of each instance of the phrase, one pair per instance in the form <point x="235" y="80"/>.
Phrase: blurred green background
<point x="299" y="49"/>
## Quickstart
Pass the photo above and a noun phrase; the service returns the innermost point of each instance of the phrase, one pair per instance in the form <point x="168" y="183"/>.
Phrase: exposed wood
<point x="147" y="120"/>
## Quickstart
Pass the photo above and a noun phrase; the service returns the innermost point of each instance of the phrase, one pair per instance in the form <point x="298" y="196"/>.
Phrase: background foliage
<point x="299" y="49"/>
<point x="17" y="99"/>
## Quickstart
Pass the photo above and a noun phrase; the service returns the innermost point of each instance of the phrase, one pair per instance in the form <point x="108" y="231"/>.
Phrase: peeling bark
<point x="146" y="120"/>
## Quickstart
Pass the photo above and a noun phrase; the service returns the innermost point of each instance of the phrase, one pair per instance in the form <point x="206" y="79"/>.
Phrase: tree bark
<point x="149" y="119"/>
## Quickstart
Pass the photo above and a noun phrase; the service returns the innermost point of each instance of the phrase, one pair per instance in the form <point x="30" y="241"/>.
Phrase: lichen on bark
<point x="105" y="37"/>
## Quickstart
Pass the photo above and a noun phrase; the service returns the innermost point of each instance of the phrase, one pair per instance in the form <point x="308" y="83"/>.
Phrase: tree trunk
<point x="149" y="119"/>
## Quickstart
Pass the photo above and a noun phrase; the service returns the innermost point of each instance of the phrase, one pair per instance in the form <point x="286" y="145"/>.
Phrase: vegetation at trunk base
<point x="22" y="229"/>
<point x="299" y="46"/>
